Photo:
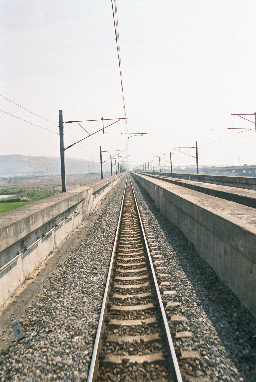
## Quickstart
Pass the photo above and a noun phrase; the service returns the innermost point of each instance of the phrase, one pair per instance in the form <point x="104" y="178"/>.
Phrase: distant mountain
<point x="14" y="165"/>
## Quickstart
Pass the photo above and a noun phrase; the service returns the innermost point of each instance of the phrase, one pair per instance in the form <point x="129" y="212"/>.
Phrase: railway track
<point x="133" y="341"/>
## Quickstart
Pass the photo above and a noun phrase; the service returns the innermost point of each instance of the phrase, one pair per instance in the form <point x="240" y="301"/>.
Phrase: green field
<point x="23" y="195"/>
<point x="7" y="206"/>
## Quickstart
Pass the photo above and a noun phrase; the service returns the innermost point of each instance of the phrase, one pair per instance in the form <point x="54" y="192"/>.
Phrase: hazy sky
<point x="187" y="65"/>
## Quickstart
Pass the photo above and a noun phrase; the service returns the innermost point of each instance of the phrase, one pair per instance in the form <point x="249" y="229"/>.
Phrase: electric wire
<point x="232" y="144"/>
<point x="202" y="148"/>
<point x="182" y="152"/>
<point x="246" y="119"/>
<point x="117" y="39"/>
<point x="83" y="128"/>
<point x="24" y="108"/>
<point x="95" y="132"/>
<point x="31" y="123"/>
<point x="217" y="141"/>
<point x="52" y="131"/>
<point x="115" y="20"/>
<point x="84" y="148"/>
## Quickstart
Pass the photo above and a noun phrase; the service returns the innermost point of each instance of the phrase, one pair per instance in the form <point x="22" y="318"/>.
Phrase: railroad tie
<point x="137" y="295"/>
<point x="131" y="270"/>
<point x="130" y="278"/>
<point x="138" y="338"/>
<point x="144" y="321"/>
<point x="132" y="307"/>
<point x="155" y="357"/>
<point x="130" y="286"/>
<point x="130" y="264"/>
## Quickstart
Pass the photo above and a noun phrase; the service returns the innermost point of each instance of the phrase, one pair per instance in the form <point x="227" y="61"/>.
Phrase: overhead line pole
<point x="197" y="171"/>
<point x="171" y="161"/>
<point x="196" y="157"/>
<point x="62" y="148"/>
<point x="62" y="152"/>
<point x="101" y="171"/>
<point x="111" y="163"/>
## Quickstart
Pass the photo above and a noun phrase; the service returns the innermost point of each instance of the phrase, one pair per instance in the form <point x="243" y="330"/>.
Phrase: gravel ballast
<point x="222" y="331"/>
<point x="61" y="323"/>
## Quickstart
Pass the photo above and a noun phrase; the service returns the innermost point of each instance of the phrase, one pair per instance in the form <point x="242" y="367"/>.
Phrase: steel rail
<point x="91" y="375"/>
<point x="162" y="310"/>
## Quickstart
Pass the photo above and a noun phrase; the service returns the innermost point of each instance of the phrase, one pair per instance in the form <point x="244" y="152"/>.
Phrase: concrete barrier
<point x="234" y="194"/>
<point x="223" y="232"/>
<point x="232" y="181"/>
<point x="30" y="233"/>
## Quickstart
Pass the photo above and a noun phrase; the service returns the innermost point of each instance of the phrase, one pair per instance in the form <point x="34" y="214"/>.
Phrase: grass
<point x="23" y="195"/>
<point x="8" y="206"/>
<point x="30" y="192"/>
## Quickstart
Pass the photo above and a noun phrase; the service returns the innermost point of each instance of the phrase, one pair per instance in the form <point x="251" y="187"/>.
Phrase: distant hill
<point x="14" y="165"/>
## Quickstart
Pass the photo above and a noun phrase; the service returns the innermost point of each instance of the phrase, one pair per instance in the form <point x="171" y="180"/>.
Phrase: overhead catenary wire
<point x="34" y="124"/>
<point x="30" y="123"/>
<point x="228" y="145"/>
<point x="29" y="111"/>
<point x="88" y="120"/>
<point x="83" y="128"/>
<point x="182" y="152"/>
<point x="246" y="119"/>
<point x="84" y="148"/>
<point x="115" y="20"/>
<point x="217" y="141"/>
<point x="95" y="132"/>
<point x="207" y="144"/>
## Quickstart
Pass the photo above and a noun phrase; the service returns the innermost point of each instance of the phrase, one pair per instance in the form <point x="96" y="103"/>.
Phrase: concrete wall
<point x="223" y="233"/>
<point x="30" y="233"/>
<point x="242" y="196"/>
<point x="232" y="181"/>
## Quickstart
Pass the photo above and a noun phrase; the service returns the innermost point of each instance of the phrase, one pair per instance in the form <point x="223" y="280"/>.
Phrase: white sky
<point x="187" y="65"/>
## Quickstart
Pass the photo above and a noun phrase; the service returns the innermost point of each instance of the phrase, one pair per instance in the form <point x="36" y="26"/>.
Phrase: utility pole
<point x="118" y="168"/>
<point x="101" y="171"/>
<point x="111" y="165"/>
<point x="171" y="161"/>
<point x="240" y="115"/>
<point x="62" y="151"/>
<point x="197" y="171"/>
<point x="196" y="157"/>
